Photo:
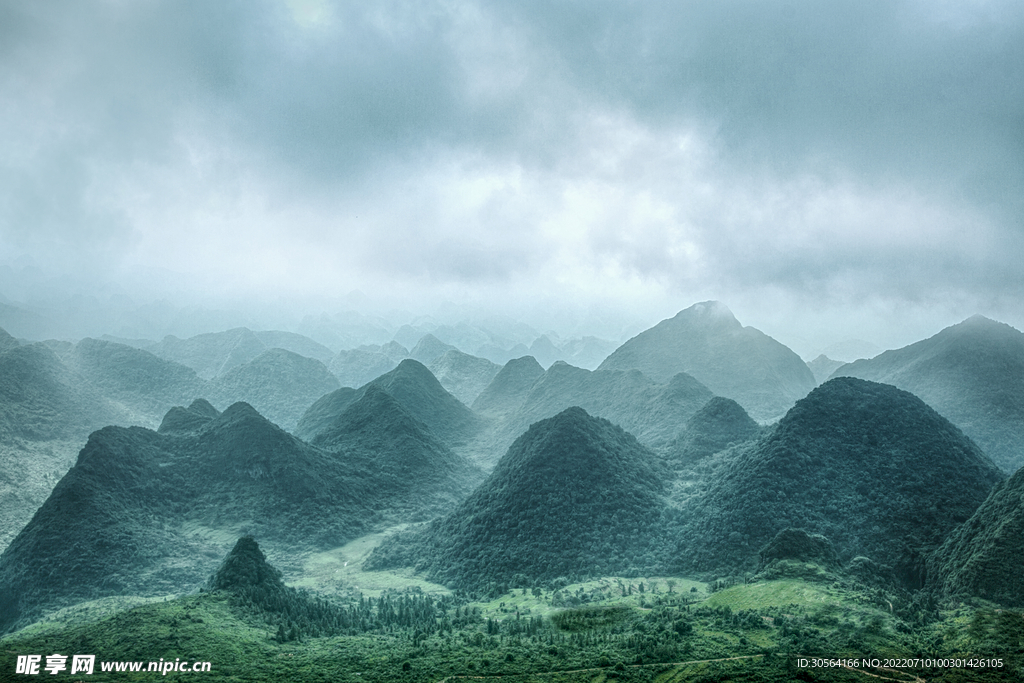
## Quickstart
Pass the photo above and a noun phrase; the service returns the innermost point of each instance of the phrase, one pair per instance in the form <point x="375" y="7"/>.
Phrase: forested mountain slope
<point x="867" y="465"/>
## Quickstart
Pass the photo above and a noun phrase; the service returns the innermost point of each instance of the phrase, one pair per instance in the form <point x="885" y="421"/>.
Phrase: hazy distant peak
<point x="410" y="367"/>
<point x="394" y="350"/>
<point x="979" y="323"/>
<point x="428" y="348"/>
<point x="708" y="310"/>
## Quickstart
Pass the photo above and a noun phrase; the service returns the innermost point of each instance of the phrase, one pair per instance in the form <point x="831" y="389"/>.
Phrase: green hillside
<point x="280" y="384"/>
<point x="972" y="373"/>
<point x="983" y="557"/>
<point x="143" y="513"/>
<point x="416" y="389"/>
<point x="574" y="496"/>
<point x="869" y="466"/>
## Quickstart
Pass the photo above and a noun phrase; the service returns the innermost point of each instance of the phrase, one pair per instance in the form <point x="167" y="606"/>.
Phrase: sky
<point x="827" y="169"/>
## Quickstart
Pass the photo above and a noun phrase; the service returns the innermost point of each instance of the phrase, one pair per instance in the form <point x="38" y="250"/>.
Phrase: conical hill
<point x="246" y="567"/>
<point x="141" y="512"/>
<point x="179" y="420"/>
<point x="720" y="423"/>
<point x="415" y="388"/>
<point x="413" y="469"/>
<point x="653" y="412"/>
<point x="574" y="496"/>
<point x="867" y="465"/>
<point x="279" y="383"/>
<point x="510" y="387"/>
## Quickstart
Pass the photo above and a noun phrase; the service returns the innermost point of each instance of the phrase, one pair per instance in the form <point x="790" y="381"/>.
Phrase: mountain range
<point x="867" y="465"/>
<point x="707" y="342"/>
<point x="146" y="512"/>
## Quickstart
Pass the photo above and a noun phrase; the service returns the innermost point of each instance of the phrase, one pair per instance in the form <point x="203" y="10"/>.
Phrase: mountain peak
<point x="860" y="462"/>
<point x="706" y="341"/>
<point x="565" y="487"/>
<point x="708" y="310"/>
<point x="246" y="567"/>
<point x="180" y="420"/>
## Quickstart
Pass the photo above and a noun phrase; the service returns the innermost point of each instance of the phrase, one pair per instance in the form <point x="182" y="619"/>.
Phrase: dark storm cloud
<point x="848" y="149"/>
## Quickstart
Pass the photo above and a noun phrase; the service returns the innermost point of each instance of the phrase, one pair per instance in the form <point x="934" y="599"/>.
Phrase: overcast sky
<point x="826" y="169"/>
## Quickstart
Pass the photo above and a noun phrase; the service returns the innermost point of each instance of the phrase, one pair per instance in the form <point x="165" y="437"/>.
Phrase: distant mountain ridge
<point x="707" y="342"/>
<point x="654" y="413"/>
<point x="972" y="373"/>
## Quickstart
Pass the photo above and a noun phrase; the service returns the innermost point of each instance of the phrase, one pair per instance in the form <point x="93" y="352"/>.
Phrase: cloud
<point x="615" y="151"/>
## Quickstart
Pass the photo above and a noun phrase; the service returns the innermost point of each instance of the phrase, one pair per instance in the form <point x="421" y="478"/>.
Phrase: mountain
<point x="356" y="367"/>
<point x="545" y="351"/>
<point x="587" y="352"/>
<point x="574" y="496"/>
<point x="278" y="383"/>
<point x="138" y="382"/>
<point x="983" y="557"/>
<point x="179" y="420"/>
<point x="719" y="424"/>
<point x="510" y="387"/>
<point x="972" y="373"/>
<point x="145" y="513"/>
<point x="463" y="375"/>
<point x="822" y="367"/>
<point x="296" y="343"/>
<point x="46" y="414"/>
<point x="867" y="465"/>
<point x="415" y="474"/>
<point x="324" y="411"/>
<point x="428" y="348"/>
<point x="246" y="568"/>
<point x="501" y="355"/>
<point x="213" y="353"/>
<point x="40" y="400"/>
<point x="707" y="342"/>
<point x="416" y="389"/>
<point x="654" y="413"/>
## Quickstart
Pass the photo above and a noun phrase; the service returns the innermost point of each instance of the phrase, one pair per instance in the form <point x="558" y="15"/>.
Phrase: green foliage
<point x="983" y="557"/>
<point x="575" y="496"/>
<point x="280" y="384"/>
<point x="719" y="424"/>
<point x="867" y="465"/>
<point x="738" y="634"/>
<point x="122" y="520"/>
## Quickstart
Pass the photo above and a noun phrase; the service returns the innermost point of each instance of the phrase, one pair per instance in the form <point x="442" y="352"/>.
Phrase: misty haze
<point x="564" y="342"/>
